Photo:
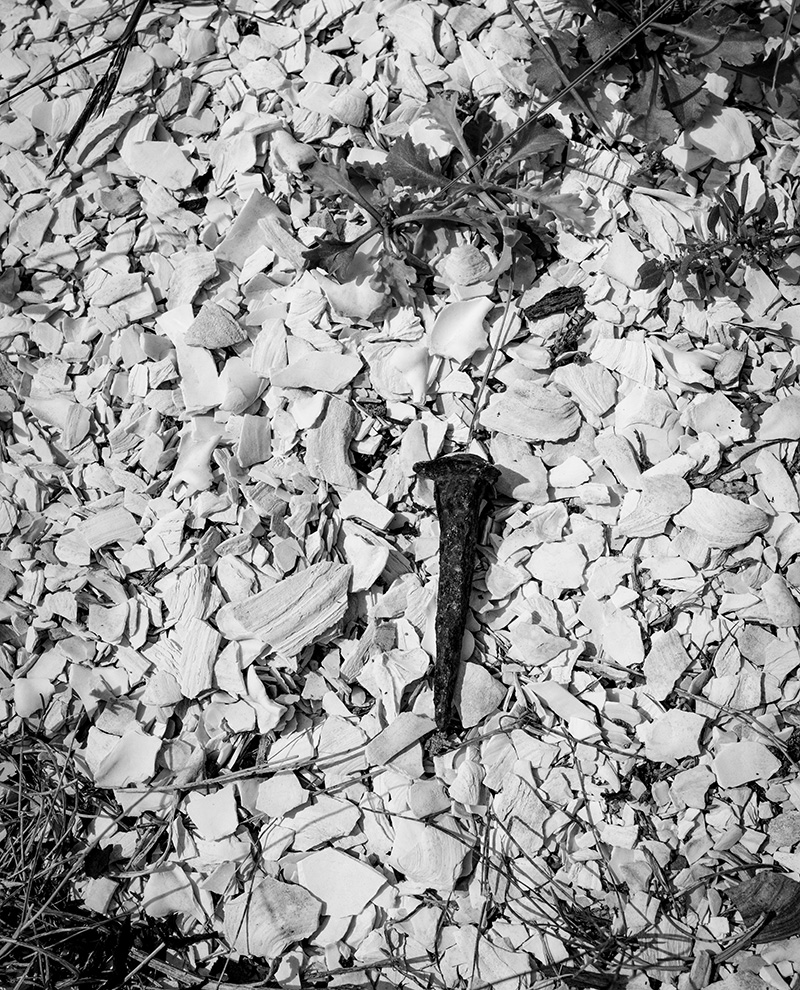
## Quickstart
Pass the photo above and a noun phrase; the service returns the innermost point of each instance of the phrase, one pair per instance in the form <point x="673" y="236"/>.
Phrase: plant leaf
<point x="443" y="112"/>
<point x="533" y="139"/>
<point x="651" y="274"/>
<point x="602" y="34"/>
<point x="688" y="97"/>
<point x="335" y="182"/>
<point x="332" y="255"/>
<point x="411" y="165"/>
<point x="657" y="125"/>
<point x="400" y="277"/>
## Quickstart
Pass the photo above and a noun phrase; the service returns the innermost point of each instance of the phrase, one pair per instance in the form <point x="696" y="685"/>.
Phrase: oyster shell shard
<point x="773" y="894"/>
<point x="466" y="265"/>
<point x="458" y="331"/>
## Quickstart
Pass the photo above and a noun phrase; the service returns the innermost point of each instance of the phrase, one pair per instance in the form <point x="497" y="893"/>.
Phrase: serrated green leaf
<point x="332" y="181"/>
<point x="533" y="139"/>
<point x="400" y="277"/>
<point x="688" y="97"/>
<point x="656" y="125"/>
<point x="603" y="33"/>
<point x="331" y="255"/>
<point x="443" y="111"/>
<point x="410" y="165"/>
<point x="718" y="42"/>
<point x="545" y="75"/>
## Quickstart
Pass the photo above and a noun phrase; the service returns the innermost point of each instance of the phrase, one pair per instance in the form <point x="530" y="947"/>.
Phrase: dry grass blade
<point x="103" y="92"/>
<point x="45" y="939"/>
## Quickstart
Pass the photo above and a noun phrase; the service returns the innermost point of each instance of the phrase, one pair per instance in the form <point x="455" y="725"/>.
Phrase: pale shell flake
<point x="781" y="420"/>
<point x="265" y="920"/>
<point x="721" y="520"/>
<point x="725" y="133"/>
<point x="660" y="498"/>
<point x="530" y="411"/>
<point x="458" y="331"/>
<point x="465" y="265"/>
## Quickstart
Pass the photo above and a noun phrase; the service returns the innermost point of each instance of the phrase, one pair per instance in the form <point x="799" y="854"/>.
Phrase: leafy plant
<point x="751" y="238"/>
<point x="414" y="194"/>
<point x="665" y="69"/>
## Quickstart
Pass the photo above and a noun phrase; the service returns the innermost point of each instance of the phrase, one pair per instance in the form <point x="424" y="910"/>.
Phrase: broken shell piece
<point x="348" y="106"/>
<point x="344" y="884"/>
<point x="214" y="327"/>
<point x="477" y="694"/>
<point x="242" y="387"/>
<point x="458" y="331"/>
<point x="412" y="363"/>
<point x="321" y="370"/>
<point x="523" y="476"/>
<point x="739" y="763"/>
<point x="60" y="411"/>
<point x="465" y="265"/>
<point x="591" y="384"/>
<point x="692" y="367"/>
<point x="199" y="437"/>
<point x="432" y="857"/>
<point x="293" y="612"/>
<point x="530" y="411"/>
<point x="725" y="133"/>
<point x="782" y="420"/>
<point x="265" y="920"/>
<point x="659" y="499"/>
<point x="292" y="155"/>
<point x="722" y="521"/>
<point x="357" y="299"/>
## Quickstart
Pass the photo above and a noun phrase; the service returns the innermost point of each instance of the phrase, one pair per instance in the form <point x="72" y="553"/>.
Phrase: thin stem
<point x="499" y="342"/>
<point x="547" y="51"/>
<point x="784" y="41"/>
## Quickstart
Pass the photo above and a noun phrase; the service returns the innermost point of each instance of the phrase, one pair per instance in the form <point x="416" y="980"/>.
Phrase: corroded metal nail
<point x="460" y="482"/>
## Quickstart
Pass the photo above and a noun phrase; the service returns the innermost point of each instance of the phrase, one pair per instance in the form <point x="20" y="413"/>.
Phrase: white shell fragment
<point x="672" y="736"/>
<point x="722" y="520"/>
<point x="428" y="856"/>
<point x="458" y="331"/>
<point x="725" y="133"/>
<point x="465" y="265"/>
<point x="266" y="919"/>
<point x="343" y="884"/>
<point x="781" y="421"/>
<point x="293" y="612"/>
<point x="214" y="327"/>
<point x="659" y="499"/>
<point x="320" y="371"/>
<point x="477" y="694"/>
<point x="403" y="732"/>
<point x="530" y="411"/>
<point x="739" y="763"/>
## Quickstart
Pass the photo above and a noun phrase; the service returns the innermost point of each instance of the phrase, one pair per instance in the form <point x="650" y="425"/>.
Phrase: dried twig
<point x="103" y="92"/>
